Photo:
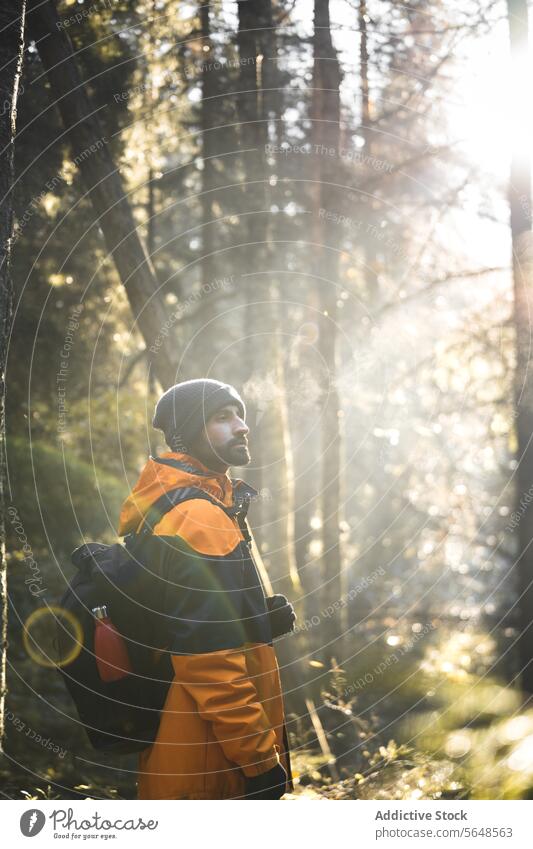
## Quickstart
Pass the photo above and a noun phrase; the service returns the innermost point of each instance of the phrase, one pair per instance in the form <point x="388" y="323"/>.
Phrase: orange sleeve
<point x="226" y="697"/>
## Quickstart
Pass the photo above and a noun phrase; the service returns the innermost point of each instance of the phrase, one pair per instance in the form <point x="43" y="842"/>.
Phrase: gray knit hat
<point x="184" y="409"/>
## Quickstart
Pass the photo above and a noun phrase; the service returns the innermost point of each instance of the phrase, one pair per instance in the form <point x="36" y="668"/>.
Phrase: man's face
<point x="223" y="442"/>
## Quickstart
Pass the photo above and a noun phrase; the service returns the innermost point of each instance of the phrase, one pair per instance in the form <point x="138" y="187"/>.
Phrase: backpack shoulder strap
<point x="243" y="495"/>
<point x="176" y="496"/>
<point x="164" y="504"/>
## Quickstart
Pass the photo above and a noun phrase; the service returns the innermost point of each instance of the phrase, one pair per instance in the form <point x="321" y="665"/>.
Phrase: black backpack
<point x="120" y="716"/>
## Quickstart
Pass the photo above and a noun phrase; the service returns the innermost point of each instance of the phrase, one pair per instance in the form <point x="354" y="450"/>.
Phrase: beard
<point x="236" y="454"/>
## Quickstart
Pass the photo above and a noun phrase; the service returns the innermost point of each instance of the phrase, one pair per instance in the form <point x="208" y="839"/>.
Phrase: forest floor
<point x="442" y="722"/>
<point x="394" y="772"/>
<point x="411" y="775"/>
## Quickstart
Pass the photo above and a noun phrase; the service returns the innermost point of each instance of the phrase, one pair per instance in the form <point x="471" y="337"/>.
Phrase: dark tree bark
<point x="104" y="183"/>
<point x="254" y="217"/>
<point x="254" y="224"/>
<point x="326" y="143"/>
<point x="209" y="91"/>
<point x="271" y="446"/>
<point x="522" y="248"/>
<point x="210" y="120"/>
<point x="363" y="61"/>
<point x="11" y="53"/>
<point x="368" y="247"/>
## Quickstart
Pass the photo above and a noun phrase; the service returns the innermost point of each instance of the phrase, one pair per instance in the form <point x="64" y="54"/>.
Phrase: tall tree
<point x="209" y="92"/>
<point x="272" y="450"/>
<point x="522" y="248"/>
<point x="326" y="147"/>
<point x="254" y="136"/>
<point x="11" y="53"/>
<point x="104" y="184"/>
<point x="368" y="246"/>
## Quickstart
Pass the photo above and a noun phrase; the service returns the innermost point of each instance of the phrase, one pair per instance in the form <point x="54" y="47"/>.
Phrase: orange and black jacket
<point x="223" y="718"/>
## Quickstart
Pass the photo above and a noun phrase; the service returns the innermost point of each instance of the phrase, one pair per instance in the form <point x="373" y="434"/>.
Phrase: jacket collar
<point x="188" y="463"/>
<point x="175" y="469"/>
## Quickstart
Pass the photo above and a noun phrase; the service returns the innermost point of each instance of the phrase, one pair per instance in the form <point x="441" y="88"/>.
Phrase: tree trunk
<point x="272" y="449"/>
<point x="11" y="54"/>
<point x="522" y="248"/>
<point x="252" y="234"/>
<point x="104" y="183"/>
<point x="326" y="143"/>
<point x="369" y="243"/>
<point x="254" y="229"/>
<point x="209" y="134"/>
<point x="363" y="62"/>
<point x="209" y="91"/>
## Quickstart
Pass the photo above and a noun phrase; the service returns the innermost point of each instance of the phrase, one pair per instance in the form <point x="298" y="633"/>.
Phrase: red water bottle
<point x="109" y="648"/>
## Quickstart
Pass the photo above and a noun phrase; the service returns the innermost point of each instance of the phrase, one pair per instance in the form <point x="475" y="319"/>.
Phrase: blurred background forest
<point x="327" y="204"/>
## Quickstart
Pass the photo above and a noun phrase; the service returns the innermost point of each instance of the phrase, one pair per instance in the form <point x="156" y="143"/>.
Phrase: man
<point x="222" y="731"/>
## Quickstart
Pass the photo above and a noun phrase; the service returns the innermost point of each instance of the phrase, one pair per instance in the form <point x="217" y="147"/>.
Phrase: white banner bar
<point x="219" y="824"/>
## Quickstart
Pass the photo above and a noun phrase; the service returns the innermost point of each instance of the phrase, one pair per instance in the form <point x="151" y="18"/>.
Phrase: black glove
<point x="281" y="614"/>
<point x="268" y="785"/>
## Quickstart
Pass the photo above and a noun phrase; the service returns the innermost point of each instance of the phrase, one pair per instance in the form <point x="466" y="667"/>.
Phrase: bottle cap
<point x="100" y="612"/>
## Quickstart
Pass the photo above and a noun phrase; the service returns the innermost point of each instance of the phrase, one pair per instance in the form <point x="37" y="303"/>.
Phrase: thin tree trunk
<point x="209" y="120"/>
<point x="104" y="183"/>
<point x="272" y="449"/>
<point x="284" y="504"/>
<point x="363" y="61"/>
<point x="11" y="54"/>
<point x="520" y="209"/>
<point x="369" y="246"/>
<point x="254" y="230"/>
<point x="254" y="135"/>
<point x="209" y="90"/>
<point x="326" y="142"/>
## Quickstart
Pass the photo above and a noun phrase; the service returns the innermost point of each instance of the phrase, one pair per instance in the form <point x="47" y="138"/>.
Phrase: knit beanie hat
<point x="184" y="409"/>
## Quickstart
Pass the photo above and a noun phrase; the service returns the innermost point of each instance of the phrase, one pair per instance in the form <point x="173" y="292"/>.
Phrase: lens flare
<point x="52" y="636"/>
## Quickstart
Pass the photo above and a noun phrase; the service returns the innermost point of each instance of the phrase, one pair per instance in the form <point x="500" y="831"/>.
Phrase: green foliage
<point x="485" y="729"/>
<point x="61" y="500"/>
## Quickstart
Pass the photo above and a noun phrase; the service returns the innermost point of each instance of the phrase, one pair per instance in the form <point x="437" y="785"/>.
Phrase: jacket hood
<point x="159" y="476"/>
